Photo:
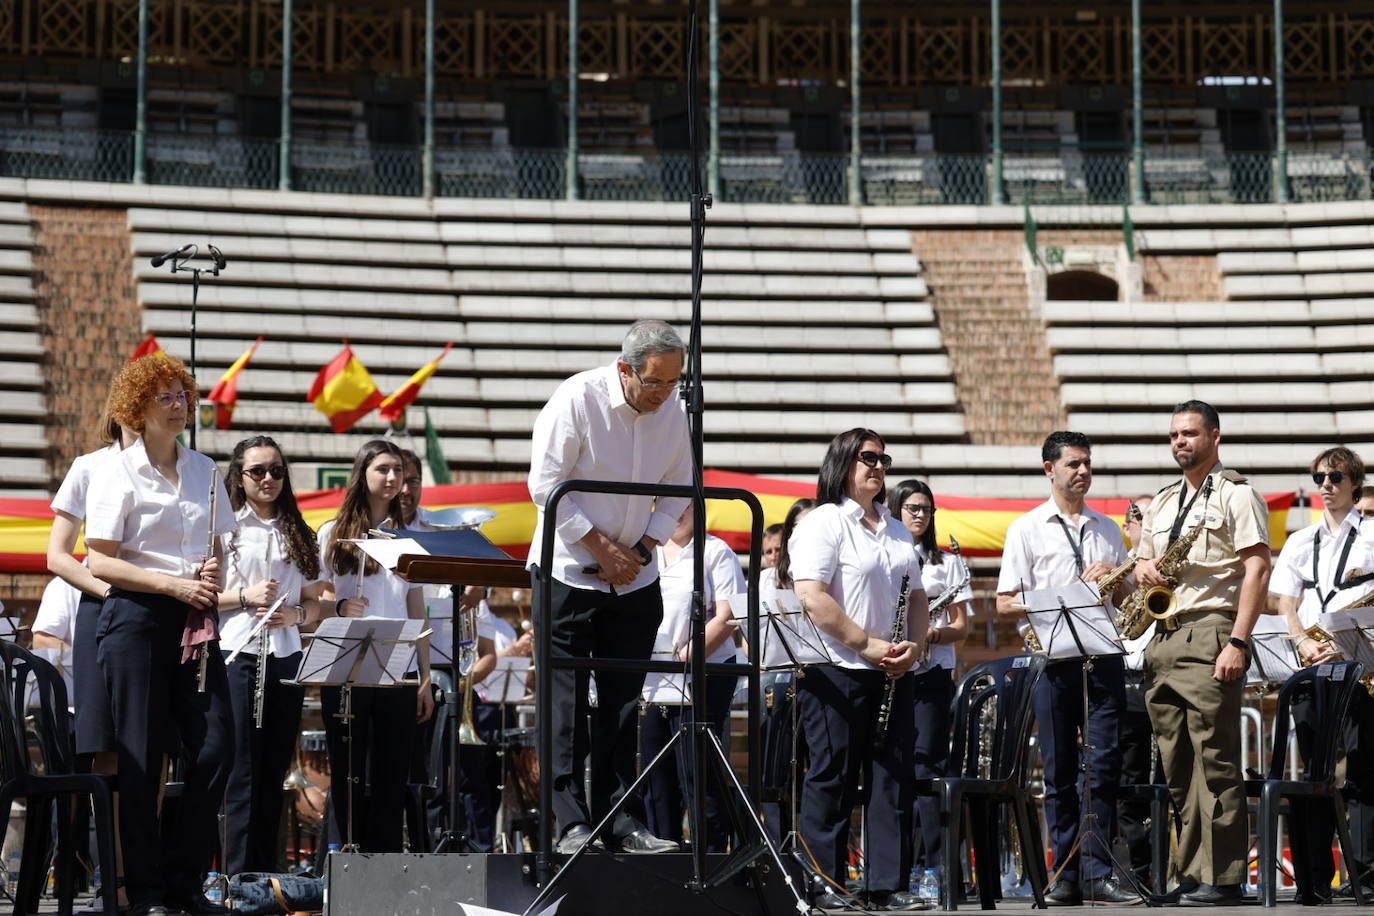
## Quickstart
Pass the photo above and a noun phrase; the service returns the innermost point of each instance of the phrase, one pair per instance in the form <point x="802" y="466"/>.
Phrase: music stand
<point x="348" y="652"/>
<point x="1273" y="657"/>
<point x="1353" y="632"/>
<point x="1075" y="622"/>
<point x="9" y="627"/>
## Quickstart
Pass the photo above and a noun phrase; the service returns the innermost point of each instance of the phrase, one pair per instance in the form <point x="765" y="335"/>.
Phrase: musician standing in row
<point x="913" y="503"/>
<point x="850" y="560"/>
<point x="272" y="555"/>
<point x="1323" y="568"/>
<point x="623" y="422"/>
<point x="148" y="524"/>
<point x="1195" y="665"/>
<point x="1137" y="738"/>
<point x="1055" y="544"/>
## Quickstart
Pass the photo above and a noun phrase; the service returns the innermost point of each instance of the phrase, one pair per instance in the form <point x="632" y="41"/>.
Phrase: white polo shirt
<point x="245" y="558"/>
<point x="71" y="496"/>
<point x="587" y="431"/>
<point x="862" y="569"/>
<point x="57" y="610"/>
<point x="159" y="527"/>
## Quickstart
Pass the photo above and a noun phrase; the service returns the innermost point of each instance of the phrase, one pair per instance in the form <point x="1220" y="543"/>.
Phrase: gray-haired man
<point x="621" y="422"/>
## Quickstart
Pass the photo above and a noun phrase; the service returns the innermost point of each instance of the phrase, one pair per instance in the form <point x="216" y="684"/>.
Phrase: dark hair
<point x="1206" y="411"/>
<point x="354" y="519"/>
<point x="1060" y="439"/>
<point x="775" y="528"/>
<point x="301" y="546"/>
<point x="833" y="479"/>
<point x="1341" y="458"/>
<point x="899" y="495"/>
<point x="789" y="523"/>
<point x="409" y="457"/>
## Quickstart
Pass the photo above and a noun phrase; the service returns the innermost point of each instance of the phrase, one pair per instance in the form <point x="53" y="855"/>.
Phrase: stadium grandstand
<point x="959" y="241"/>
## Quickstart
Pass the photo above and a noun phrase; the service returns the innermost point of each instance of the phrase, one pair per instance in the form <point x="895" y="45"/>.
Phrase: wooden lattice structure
<point x="759" y="45"/>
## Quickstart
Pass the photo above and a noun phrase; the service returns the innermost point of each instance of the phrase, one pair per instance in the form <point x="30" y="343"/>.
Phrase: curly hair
<point x="301" y="548"/>
<point x="136" y="384"/>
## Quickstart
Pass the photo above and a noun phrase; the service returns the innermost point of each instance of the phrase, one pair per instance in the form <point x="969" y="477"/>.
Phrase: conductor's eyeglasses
<point x="914" y="509"/>
<point x="258" y="472"/>
<point x="873" y="459"/>
<point x="1319" y="477"/>
<point x="168" y="398"/>
<point x="653" y="383"/>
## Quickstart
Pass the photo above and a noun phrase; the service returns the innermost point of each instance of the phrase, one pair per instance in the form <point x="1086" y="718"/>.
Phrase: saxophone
<point x="1108" y="583"/>
<point x="1146" y="605"/>
<point x="1321" y="634"/>
<point x="946" y="598"/>
<point x="897" y="635"/>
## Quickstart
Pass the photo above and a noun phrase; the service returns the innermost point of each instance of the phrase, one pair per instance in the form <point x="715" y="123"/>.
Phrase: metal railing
<point x="1063" y="177"/>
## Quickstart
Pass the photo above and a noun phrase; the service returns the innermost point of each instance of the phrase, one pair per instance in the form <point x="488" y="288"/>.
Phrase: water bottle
<point x="97" y="883"/>
<point x="12" y="872"/>
<point x="214" y="891"/>
<point x="930" y="886"/>
<point x="913" y="883"/>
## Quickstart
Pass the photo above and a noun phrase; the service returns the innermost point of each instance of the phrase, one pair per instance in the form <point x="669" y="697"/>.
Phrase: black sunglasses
<point x="258" y="472"/>
<point x="873" y="459"/>
<point x="1319" y="477"/>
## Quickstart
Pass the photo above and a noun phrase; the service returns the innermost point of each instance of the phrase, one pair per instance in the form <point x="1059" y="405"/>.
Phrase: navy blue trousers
<point x="933" y="692"/>
<point x="157" y="709"/>
<point x="839" y="708"/>
<point x="781" y="738"/>
<point x="1060" y="717"/>
<point x="379" y="760"/>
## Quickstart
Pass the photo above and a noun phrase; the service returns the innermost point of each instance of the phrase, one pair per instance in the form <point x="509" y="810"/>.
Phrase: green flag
<point x="434" y="453"/>
<point x="1128" y="232"/>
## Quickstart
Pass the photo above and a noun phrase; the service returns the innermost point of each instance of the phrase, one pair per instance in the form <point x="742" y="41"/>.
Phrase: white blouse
<point x="385" y="592"/>
<point x="71" y="496"/>
<point x="245" y="558"/>
<point x="861" y="568"/>
<point x="937" y="577"/>
<point x="723" y="578"/>
<point x="158" y="527"/>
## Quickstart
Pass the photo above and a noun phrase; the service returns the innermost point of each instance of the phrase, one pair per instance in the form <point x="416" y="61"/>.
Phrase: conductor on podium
<point x="620" y="422"/>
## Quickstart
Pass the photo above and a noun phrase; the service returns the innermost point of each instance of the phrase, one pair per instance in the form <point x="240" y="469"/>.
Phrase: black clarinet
<point x="890" y="688"/>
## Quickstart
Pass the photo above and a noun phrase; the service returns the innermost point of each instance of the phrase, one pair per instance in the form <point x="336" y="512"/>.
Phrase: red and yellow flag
<point x="149" y="347"/>
<point x="344" y="391"/>
<point x="403" y="397"/>
<point x="225" y="394"/>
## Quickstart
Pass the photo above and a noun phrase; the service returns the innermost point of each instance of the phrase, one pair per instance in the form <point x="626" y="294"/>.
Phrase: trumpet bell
<point x="296" y="780"/>
<point x="455" y="517"/>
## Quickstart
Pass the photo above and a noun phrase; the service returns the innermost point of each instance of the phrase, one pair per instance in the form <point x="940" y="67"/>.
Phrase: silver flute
<point x="264" y="648"/>
<point x="201" y="671"/>
<point x="890" y="688"/>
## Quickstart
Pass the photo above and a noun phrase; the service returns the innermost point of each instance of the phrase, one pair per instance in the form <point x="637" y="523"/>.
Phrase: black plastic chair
<point x="1010" y="682"/>
<point x="1328" y="688"/>
<point x="52" y="786"/>
<point x="1161" y="830"/>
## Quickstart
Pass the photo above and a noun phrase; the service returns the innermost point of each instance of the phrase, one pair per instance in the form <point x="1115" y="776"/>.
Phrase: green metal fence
<point x="1066" y="177"/>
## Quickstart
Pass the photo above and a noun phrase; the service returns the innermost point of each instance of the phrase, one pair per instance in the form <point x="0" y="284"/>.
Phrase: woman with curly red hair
<point x="148" y="520"/>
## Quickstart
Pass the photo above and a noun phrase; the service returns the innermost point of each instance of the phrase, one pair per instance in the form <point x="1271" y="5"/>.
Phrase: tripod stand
<point x="1073" y="623"/>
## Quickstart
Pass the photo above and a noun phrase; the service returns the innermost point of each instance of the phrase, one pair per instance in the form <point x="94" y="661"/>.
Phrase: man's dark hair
<point x="1210" y="420"/>
<point x="775" y="528"/>
<point x="1060" y="439"/>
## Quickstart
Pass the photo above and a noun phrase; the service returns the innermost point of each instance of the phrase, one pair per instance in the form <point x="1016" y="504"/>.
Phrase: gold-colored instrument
<point x="1319" y="633"/>
<point x="1033" y="646"/>
<point x="1145" y="605"/>
<point x="466" y="622"/>
<point x="889" y="689"/>
<point x="1365" y="601"/>
<point x="946" y="598"/>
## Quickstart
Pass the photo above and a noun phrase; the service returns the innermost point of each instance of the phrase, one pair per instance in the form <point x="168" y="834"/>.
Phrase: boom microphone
<point x="181" y="252"/>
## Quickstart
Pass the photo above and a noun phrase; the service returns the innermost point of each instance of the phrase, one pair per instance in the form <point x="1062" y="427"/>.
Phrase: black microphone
<point x="218" y="257"/>
<point x="172" y="255"/>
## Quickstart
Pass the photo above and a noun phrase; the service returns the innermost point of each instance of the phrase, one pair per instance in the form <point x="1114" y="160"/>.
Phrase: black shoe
<point x="577" y="835"/>
<point x="1108" y="891"/>
<point x="830" y="900"/>
<point x="1209" y="895"/>
<point x="642" y="841"/>
<point x="897" y="900"/>
<point x="1064" y="893"/>
<point x="194" y="903"/>
<point x="148" y="909"/>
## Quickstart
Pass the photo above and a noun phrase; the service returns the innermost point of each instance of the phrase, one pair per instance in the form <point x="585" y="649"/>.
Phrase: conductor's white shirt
<point x="861" y="568"/>
<point x="587" y="431"/>
<point x="245" y="560"/>
<point x="159" y="527"/>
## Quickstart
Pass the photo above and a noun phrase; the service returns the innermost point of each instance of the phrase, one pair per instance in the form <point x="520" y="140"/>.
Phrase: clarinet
<point x="890" y="688"/>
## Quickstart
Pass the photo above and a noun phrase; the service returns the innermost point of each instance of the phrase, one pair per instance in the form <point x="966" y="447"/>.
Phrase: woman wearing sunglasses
<point x="933" y="677"/>
<point x="148" y="524"/>
<point x="850" y="560"/>
<point x="384" y="718"/>
<point x="271" y="563"/>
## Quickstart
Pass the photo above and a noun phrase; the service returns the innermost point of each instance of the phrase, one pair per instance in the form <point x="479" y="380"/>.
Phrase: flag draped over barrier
<point x="979" y="524"/>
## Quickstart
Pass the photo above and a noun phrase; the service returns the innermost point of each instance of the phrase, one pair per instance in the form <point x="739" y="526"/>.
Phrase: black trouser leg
<point x="933" y="692"/>
<point x="1137" y="754"/>
<point x="719" y="692"/>
<point x="663" y="789"/>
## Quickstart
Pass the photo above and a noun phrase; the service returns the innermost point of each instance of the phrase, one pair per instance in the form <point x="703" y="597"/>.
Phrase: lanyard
<point x="1076" y="548"/>
<point x="1336" y="584"/>
<point x="1183" y="511"/>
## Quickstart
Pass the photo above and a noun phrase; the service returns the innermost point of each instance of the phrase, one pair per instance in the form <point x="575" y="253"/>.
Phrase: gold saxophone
<point x="1146" y="605"/>
<point x="1321" y="634"/>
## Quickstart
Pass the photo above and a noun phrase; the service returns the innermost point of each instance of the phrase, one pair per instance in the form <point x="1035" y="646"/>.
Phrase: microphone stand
<point x="178" y="260"/>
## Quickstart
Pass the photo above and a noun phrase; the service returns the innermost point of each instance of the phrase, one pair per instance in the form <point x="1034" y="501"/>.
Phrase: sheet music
<point x="388" y="551"/>
<point x="507" y="683"/>
<point x="1273" y="655"/>
<point x="8" y="627"/>
<point x="1353" y="633"/>
<point x="665" y="689"/>
<point x="1071" y="622"/>
<point x="333" y="654"/>
<point x="441" y="643"/>
<point x="789" y="637"/>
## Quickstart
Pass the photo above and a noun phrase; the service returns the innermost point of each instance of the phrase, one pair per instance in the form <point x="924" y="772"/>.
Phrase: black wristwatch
<point x="1239" y="643"/>
<point x="645" y="556"/>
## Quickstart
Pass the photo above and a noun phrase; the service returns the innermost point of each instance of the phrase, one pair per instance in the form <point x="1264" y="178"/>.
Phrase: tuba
<point x="1146" y="605"/>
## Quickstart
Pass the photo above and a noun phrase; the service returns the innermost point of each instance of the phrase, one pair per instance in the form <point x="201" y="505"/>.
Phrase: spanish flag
<point x="403" y="397"/>
<point x="225" y="394"/>
<point x="149" y="347"/>
<point x="344" y="391"/>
